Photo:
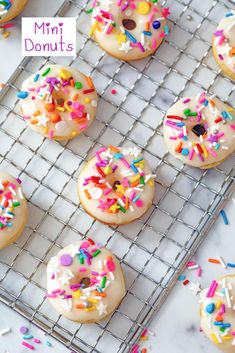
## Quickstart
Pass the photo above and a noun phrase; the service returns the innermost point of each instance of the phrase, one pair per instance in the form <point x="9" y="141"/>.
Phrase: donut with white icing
<point x="217" y="313"/>
<point x="9" y="9"/>
<point x="85" y="282"/>
<point x="13" y="209"/>
<point x="116" y="186"/>
<point x="129" y="29"/>
<point x="58" y="102"/>
<point x="224" y="44"/>
<point x="200" y="131"/>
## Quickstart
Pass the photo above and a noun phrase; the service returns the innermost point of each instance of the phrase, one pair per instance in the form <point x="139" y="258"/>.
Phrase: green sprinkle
<point x="46" y="72"/>
<point x="78" y="85"/>
<point x="16" y="204"/>
<point x="48" y="344"/>
<point x="122" y="208"/>
<point x="192" y="114"/>
<point x="142" y="180"/>
<point x="81" y="259"/>
<point x="89" y="11"/>
<point x="97" y="252"/>
<point x="103" y="283"/>
<point x="187" y="111"/>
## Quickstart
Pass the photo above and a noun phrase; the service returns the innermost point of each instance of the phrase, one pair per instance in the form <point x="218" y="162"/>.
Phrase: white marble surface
<point x="178" y="319"/>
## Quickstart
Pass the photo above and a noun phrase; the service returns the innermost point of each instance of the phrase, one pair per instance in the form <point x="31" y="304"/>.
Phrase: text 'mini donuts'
<point x="129" y="29"/>
<point x="200" y="131"/>
<point x="85" y="282"/>
<point x="117" y="185"/>
<point x="58" y="102"/>
<point x="224" y="44"/>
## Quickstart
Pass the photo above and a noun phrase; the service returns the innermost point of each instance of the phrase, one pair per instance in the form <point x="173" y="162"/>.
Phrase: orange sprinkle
<point x="144" y="350"/>
<point x="232" y="52"/>
<point x="72" y="83"/>
<point x="114" y="149"/>
<point x="212" y="103"/>
<point x="75" y="97"/>
<point x="87" y="194"/>
<point x="147" y="26"/>
<point x="37" y="113"/>
<point x="89" y="81"/>
<point x="100" y="294"/>
<point x="214" y="261"/>
<point x="101" y="186"/>
<point x="135" y="183"/>
<point x="50" y="107"/>
<point x="179" y="147"/>
<point x="219" y="318"/>
<point x="34" y="121"/>
<point x="109" y="258"/>
<point x="80" y="306"/>
<point x="127" y="203"/>
<point x="55" y="118"/>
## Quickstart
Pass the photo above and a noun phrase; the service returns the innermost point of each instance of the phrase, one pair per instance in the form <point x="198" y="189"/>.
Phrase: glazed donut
<point x="217" y="313"/>
<point x="129" y="29"/>
<point x="9" y="9"/>
<point x="224" y="44"/>
<point x="116" y="186"/>
<point x="85" y="282"/>
<point x="13" y="210"/>
<point x="58" y="102"/>
<point x="200" y="131"/>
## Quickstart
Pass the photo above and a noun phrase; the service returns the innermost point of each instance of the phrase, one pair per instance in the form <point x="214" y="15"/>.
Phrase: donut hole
<point x="85" y="281"/>
<point x="129" y="24"/>
<point x="199" y="130"/>
<point x="115" y="184"/>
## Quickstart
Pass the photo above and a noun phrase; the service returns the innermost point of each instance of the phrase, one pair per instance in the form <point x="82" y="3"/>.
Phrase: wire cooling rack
<point x="154" y="249"/>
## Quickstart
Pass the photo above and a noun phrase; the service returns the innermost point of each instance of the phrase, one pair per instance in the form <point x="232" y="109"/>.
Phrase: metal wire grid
<point x="153" y="250"/>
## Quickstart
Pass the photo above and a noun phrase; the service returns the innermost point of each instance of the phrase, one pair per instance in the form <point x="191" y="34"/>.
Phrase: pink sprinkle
<point x="113" y="91"/>
<point x="36" y="340"/>
<point x="191" y="154"/>
<point x="139" y="203"/>
<point x="191" y="263"/>
<point x="27" y="345"/>
<point x="82" y="269"/>
<point x="173" y="138"/>
<point x="124" y="161"/>
<point x="232" y="126"/>
<point x="186" y="100"/>
<point x="212" y="152"/>
<point x="154" y="43"/>
<point x="212" y="289"/>
<point x="199" y="272"/>
<point x="135" y="348"/>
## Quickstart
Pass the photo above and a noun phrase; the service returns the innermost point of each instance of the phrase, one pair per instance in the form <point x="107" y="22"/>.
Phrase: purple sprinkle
<point x="186" y="100"/>
<point x="66" y="260"/>
<point x="24" y="330"/>
<point x="221" y="57"/>
<point x="18" y="180"/>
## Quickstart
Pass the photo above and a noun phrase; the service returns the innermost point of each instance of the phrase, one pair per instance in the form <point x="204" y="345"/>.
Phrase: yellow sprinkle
<point x="214" y="338"/>
<point x="143" y="8"/>
<point x="218" y="304"/>
<point x="92" y="308"/>
<point x="65" y="74"/>
<point x="94" y="301"/>
<point x="87" y="100"/>
<point x="77" y="294"/>
<point x="230" y="109"/>
<point x="108" y="170"/>
<point x="227" y="338"/>
<point x="67" y="107"/>
<point x="135" y="178"/>
<point x="140" y="164"/>
<point x="93" y="29"/>
<point x="204" y="151"/>
<point x="144" y="338"/>
<point x="45" y="130"/>
<point x="6" y="34"/>
<point x="121" y="37"/>
<point x="74" y="133"/>
<point x="61" y="109"/>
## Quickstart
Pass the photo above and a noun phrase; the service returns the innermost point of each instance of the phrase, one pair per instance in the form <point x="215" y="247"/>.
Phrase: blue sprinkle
<point x="185" y="151"/>
<point x="217" y="146"/>
<point x="225" y="218"/>
<point x="185" y="138"/>
<point x="133" y="167"/>
<point x="147" y="33"/>
<point x="27" y="337"/>
<point x="229" y="116"/>
<point x="206" y="103"/>
<point x="136" y="199"/>
<point x="36" y="77"/>
<point x="216" y="323"/>
<point x="130" y="36"/>
<point x="181" y="278"/>
<point x="224" y="115"/>
<point x="210" y="308"/>
<point x="230" y="265"/>
<point x="22" y="94"/>
<point x="180" y="124"/>
<point x="156" y="24"/>
<point x="166" y="30"/>
<point x="118" y="155"/>
<point x="48" y="344"/>
<point x="229" y="14"/>
<point x="135" y="161"/>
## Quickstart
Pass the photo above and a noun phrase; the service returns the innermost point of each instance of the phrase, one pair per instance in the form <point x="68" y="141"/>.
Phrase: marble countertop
<point x="179" y="317"/>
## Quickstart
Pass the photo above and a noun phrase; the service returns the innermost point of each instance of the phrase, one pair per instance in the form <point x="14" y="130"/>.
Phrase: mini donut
<point x="116" y="186"/>
<point x="85" y="282"/>
<point x="224" y="44"/>
<point x="58" y="102"/>
<point x="129" y="29"/>
<point x="217" y="313"/>
<point x="13" y="210"/>
<point x="200" y="131"/>
<point x="9" y="9"/>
